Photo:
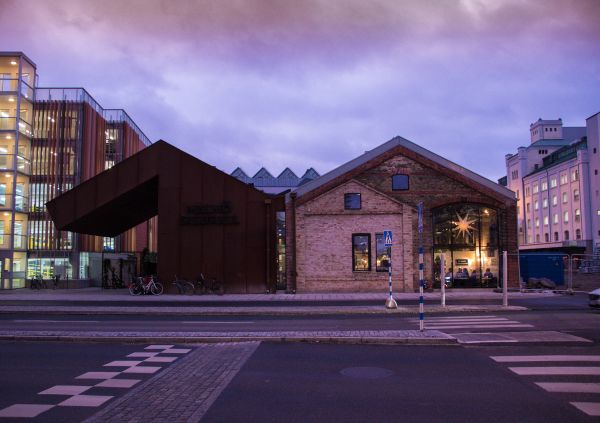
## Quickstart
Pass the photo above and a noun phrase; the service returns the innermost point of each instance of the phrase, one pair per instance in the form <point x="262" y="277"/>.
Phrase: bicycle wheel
<point x="188" y="288"/>
<point x="156" y="288"/>
<point x="135" y="289"/>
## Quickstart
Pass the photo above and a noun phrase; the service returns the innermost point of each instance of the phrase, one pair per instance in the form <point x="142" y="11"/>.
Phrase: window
<point x="109" y="244"/>
<point x="553" y="183"/>
<point x="527" y="190"/>
<point x="594" y="150"/>
<point x="537" y="222"/>
<point x="382" y="258"/>
<point x="555" y="236"/>
<point x="399" y="182"/>
<point x="361" y="252"/>
<point x="527" y="208"/>
<point x="545" y="220"/>
<point x="575" y="175"/>
<point x="565" y="197"/>
<point x="515" y="174"/>
<point x="576" y="194"/>
<point x="555" y="220"/>
<point x="554" y="200"/>
<point x="577" y="233"/>
<point x="577" y="215"/>
<point x="546" y="237"/>
<point x="535" y="189"/>
<point x="352" y="201"/>
<point x="544" y="185"/>
<point x="566" y="217"/>
<point x="545" y="203"/>
<point x="537" y="238"/>
<point x="536" y="205"/>
<point x="566" y="235"/>
<point x="563" y="179"/>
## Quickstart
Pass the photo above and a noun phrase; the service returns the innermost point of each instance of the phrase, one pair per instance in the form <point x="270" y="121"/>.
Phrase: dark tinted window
<point x="399" y="182"/>
<point x="352" y="201"/>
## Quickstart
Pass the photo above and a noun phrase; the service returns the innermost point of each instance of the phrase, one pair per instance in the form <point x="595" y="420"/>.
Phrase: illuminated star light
<point x="464" y="225"/>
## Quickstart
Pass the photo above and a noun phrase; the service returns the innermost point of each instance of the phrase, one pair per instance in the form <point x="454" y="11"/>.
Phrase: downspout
<point x="292" y="251"/>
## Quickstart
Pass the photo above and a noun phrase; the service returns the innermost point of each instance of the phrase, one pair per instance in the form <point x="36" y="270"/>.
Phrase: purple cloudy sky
<point x="303" y="83"/>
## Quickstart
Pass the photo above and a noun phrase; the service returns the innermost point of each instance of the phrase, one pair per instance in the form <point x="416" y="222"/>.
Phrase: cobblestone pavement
<point x="183" y="392"/>
<point x="355" y="337"/>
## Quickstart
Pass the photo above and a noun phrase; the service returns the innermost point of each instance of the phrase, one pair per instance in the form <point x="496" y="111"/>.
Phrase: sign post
<point x="421" y="266"/>
<point x="443" y="278"/>
<point x="387" y="239"/>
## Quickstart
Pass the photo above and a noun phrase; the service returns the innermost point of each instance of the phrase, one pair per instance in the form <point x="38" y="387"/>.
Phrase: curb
<point x="221" y="339"/>
<point x="251" y="311"/>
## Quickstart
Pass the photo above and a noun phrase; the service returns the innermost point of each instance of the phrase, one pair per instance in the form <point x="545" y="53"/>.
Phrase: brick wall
<point x="324" y="217"/>
<point x="324" y="241"/>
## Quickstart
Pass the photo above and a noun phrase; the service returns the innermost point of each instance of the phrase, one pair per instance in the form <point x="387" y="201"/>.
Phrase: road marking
<point x="587" y="388"/>
<point x="466" y="318"/>
<point x="142" y="354"/>
<point x="118" y="383"/>
<point x="98" y="375"/>
<point x="159" y="347"/>
<point x="160" y="359"/>
<point x="191" y="322"/>
<point x="177" y="351"/>
<point x="478" y="326"/>
<point x="55" y="321"/>
<point x="25" y="410"/>
<point x="65" y="390"/>
<point x="122" y="363"/>
<point x="142" y="369"/>
<point x="589" y="408"/>
<point x="531" y="358"/>
<point x="85" y="401"/>
<point x="552" y="370"/>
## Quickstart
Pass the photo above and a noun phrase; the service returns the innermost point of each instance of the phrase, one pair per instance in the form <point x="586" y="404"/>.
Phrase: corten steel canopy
<point x="208" y="221"/>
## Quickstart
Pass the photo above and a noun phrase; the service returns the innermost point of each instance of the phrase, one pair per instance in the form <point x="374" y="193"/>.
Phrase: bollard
<point x="505" y="279"/>
<point x="443" y="279"/>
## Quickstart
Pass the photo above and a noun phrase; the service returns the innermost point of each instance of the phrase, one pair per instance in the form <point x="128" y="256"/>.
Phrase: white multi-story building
<point x="558" y="187"/>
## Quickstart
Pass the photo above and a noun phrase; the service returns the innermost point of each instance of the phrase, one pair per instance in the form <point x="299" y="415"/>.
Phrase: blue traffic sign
<point x="387" y="238"/>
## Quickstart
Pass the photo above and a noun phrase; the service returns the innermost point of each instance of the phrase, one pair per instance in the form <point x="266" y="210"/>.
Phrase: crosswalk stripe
<point x="449" y="318"/>
<point x="479" y="326"/>
<point x="587" y="388"/>
<point x="551" y="371"/>
<point x="469" y="321"/>
<point x="589" y="408"/>
<point x="542" y="358"/>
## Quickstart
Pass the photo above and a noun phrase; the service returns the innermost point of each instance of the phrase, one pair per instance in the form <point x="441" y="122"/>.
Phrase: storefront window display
<point x="467" y="236"/>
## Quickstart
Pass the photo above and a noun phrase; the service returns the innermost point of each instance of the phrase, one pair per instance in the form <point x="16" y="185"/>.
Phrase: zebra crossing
<point x="562" y="374"/>
<point x="472" y="322"/>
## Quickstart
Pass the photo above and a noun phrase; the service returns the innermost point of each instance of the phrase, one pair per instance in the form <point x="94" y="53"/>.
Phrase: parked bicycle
<point x="183" y="286"/>
<point x="37" y="282"/>
<point x="145" y="285"/>
<point x="209" y="285"/>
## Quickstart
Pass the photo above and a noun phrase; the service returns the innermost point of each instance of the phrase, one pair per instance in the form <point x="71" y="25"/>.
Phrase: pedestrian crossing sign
<point x="387" y="238"/>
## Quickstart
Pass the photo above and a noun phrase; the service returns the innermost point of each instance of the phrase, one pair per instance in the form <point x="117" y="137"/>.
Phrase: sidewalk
<point x="120" y="302"/>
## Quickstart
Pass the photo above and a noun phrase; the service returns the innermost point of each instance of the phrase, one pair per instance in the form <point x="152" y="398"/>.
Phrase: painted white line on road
<point x="142" y="354"/>
<point x="217" y="323"/>
<point x="160" y="359"/>
<point x="159" y="347"/>
<point x="177" y="351"/>
<point x="589" y="408"/>
<point x="466" y="318"/>
<point x="542" y="358"/>
<point x="140" y="369"/>
<point x="481" y="326"/>
<point x="122" y="363"/>
<point x="25" y="410"/>
<point x="118" y="383"/>
<point x="55" y="321"/>
<point x="85" y="401"/>
<point x="584" y="388"/>
<point x="65" y="390"/>
<point x="551" y="371"/>
<point x="98" y="375"/>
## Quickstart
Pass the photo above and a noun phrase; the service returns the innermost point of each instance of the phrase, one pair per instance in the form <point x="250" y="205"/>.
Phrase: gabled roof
<point x="263" y="178"/>
<point x="287" y="178"/>
<point x="310" y="174"/>
<point x="399" y="145"/>
<point x="241" y="175"/>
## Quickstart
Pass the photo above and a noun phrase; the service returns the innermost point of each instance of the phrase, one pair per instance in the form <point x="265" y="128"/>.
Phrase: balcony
<point x="7" y="162"/>
<point x="25" y="128"/>
<point x="20" y="202"/>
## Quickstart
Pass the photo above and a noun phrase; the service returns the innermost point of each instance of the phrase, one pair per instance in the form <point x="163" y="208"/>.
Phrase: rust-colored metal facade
<point x="210" y="222"/>
<point x="74" y="140"/>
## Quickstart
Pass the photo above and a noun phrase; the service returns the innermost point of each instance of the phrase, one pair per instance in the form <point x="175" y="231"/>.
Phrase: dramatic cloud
<point x="317" y="82"/>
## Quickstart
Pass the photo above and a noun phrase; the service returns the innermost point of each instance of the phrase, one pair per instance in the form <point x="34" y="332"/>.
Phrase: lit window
<point x="565" y="197"/>
<point x="554" y="200"/>
<point x="545" y="220"/>
<point x="535" y="189"/>
<point x="399" y="182"/>
<point x="361" y="254"/>
<point x="577" y="215"/>
<point x="566" y="217"/>
<point x="545" y="203"/>
<point x="563" y="179"/>
<point x="537" y="222"/>
<point x="352" y="201"/>
<point x="553" y="183"/>
<point x="576" y="194"/>
<point x="544" y="185"/>
<point x="382" y="258"/>
<point x="555" y="219"/>
<point x="536" y="205"/>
